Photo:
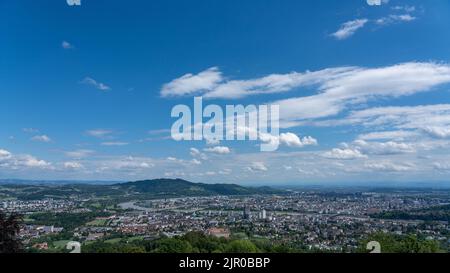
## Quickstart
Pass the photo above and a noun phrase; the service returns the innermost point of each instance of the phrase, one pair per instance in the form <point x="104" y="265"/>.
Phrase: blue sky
<point x="86" y="91"/>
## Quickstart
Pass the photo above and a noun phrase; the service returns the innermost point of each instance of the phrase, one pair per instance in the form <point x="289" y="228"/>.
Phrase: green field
<point x="60" y="244"/>
<point x="97" y="223"/>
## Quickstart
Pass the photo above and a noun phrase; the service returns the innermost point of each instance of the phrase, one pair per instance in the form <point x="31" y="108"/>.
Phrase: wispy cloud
<point x="349" y="28"/>
<point x="41" y="138"/>
<point x="114" y="143"/>
<point x="337" y="88"/>
<point x="192" y="84"/>
<point x="100" y="133"/>
<point x="30" y="130"/>
<point x="377" y="2"/>
<point x="391" y="19"/>
<point x="79" y="153"/>
<point x="98" y="85"/>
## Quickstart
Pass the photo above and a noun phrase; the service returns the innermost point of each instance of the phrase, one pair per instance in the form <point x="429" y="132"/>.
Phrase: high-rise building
<point x="247" y="213"/>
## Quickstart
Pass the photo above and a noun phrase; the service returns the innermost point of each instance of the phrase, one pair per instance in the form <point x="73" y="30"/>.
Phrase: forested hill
<point x="157" y="188"/>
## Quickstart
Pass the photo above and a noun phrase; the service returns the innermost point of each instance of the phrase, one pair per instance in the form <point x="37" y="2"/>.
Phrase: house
<point x="218" y="232"/>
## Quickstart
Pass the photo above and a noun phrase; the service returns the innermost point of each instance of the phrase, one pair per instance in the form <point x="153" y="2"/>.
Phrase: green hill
<point x="179" y="187"/>
<point x="147" y="189"/>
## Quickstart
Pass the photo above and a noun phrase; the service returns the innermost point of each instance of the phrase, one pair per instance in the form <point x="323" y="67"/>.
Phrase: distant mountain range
<point x="147" y="189"/>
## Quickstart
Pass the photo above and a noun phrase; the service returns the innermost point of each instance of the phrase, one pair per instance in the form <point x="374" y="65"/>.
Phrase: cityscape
<point x="189" y="131"/>
<point x="302" y="220"/>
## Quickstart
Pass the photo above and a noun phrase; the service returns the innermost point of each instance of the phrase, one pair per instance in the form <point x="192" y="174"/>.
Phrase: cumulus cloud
<point x="218" y="150"/>
<point x="349" y="28"/>
<point x="257" y="167"/>
<point x="194" y="151"/>
<point x="383" y="148"/>
<point x="98" y="85"/>
<point x="292" y="140"/>
<point x="4" y="154"/>
<point x="15" y="162"/>
<point x="73" y="165"/>
<point x="344" y="154"/>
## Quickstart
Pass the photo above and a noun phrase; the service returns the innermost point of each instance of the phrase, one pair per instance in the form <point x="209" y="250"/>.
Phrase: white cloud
<point x="114" y="143"/>
<point x="257" y="167"/>
<point x="196" y="162"/>
<point x="16" y="162"/>
<point x="438" y="131"/>
<point x="41" y="138"/>
<point x="292" y="140"/>
<point x="344" y="154"/>
<point x="99" y="133"/>
<point x="383" y="148"/>
<point x="30" y="161"/>
<point x="376" y="2"/>
<point x="73" y="165"/>
<point x="349" y="28"/>
<point x="408" y="9"/>
<point x="394" y="18"/>
<point x="30" y="130"/>
<point x="363" y="85"/>
<point x="273" y="83"/>
<point x="4" y="154"/>
<point x="218" y="150"/>
<point x="441" y="166"/>
<point x="432" y="120"/>
<point x="79" y="153"/>
<point x="337" y="88"/>
<point x="192" y="84"/>
<point x="387" y="166"/>
<point x="194" y="152"/>
<point x="67" y="45"/>
<point x="98" y="85"/>
<point x="398" y="135"/>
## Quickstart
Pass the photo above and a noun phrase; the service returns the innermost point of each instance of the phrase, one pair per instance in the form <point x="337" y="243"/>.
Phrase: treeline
<point x="391" y="243"/>
<point x="193" y="242"/>
<point x="196" y="242"/>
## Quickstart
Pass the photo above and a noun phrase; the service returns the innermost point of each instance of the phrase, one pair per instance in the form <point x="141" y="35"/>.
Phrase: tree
<point x="402" y="244"/>
<point x="241" y="246"/>
<point x="9" y="231"/>
<point x="173" y="245"/>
